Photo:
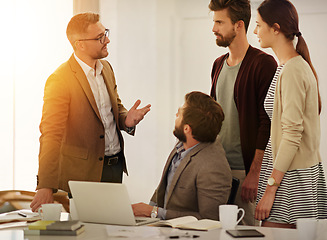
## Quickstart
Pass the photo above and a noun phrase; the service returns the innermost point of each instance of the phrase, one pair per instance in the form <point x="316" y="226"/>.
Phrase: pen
<point x="186" y="236"/>
<point x="22" y="214"/>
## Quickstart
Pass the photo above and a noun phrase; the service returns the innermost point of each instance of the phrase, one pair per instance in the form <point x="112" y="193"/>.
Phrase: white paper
<point x="13" y="225"/>
<point x="14" y="216"/>
<point x="133" y="232"/>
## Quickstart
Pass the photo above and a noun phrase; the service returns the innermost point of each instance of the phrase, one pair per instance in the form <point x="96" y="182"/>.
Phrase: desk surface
<point x="99" y="232"/>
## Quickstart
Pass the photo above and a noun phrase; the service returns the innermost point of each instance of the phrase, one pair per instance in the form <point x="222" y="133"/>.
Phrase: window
<point x="33" y="44"/>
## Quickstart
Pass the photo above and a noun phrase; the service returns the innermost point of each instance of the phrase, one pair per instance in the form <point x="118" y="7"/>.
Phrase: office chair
<point x="232" y="195"/>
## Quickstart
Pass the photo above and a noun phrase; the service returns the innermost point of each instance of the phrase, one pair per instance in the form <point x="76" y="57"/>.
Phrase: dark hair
<point x="237" y="9"/>
<point x="285" y="15"/>
<point x="204" y="115"/>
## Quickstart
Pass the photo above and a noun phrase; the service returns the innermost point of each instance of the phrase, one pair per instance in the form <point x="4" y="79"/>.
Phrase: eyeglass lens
<point x="106" y="34"/>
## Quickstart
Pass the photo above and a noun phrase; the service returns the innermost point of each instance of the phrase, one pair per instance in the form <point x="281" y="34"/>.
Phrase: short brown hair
<point x="237" y="9"/>
<point x="204" y="115"/>
<point x="78" y="25"/>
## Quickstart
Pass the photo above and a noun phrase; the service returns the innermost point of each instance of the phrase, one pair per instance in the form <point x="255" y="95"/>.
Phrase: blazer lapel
<point x="80" y="76"/>
<point x="163" y="182"/>
<point x="182" y="166"/>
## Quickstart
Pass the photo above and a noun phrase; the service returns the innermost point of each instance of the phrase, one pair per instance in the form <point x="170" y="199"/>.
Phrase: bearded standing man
<point x="240" y="81"/>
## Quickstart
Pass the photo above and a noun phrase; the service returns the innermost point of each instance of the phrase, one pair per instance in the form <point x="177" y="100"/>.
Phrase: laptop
<point x="109" y="203"/>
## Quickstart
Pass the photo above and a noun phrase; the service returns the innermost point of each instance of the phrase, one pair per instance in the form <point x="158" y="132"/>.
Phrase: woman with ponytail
<point x="292" y="183"/>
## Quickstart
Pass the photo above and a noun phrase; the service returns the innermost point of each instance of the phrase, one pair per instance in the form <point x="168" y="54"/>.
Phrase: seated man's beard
<point x="179" y="133"/>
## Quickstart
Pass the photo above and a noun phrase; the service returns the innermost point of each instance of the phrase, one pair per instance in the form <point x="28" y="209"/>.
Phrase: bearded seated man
<point x="196" y="178"/>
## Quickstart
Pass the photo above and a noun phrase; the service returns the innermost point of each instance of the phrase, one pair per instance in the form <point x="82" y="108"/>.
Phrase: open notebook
<point x="100" y="202"/>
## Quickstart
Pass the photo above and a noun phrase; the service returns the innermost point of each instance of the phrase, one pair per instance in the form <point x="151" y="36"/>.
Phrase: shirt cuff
<point x="161" y="211"/>
<point x="130" y="130"/>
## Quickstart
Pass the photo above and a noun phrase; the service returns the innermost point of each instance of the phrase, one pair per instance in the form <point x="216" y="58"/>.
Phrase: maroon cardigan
<point x="250" y="89"/>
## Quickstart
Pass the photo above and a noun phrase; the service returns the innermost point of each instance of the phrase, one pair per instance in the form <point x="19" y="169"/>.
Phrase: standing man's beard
<point x="225" y="41"/>
<point x="179" y="133"/>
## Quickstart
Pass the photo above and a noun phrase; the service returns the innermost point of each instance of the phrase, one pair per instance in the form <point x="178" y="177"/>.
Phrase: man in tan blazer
<point x="196" y="178"/>
<point x="83" y="115"/>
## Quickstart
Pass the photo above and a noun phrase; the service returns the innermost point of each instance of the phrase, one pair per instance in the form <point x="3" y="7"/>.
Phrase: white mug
<point x="50" y="211"/>
<point x="73" y="212"/>
<point x="228" y="215"/>
<point x="306" y="228"/>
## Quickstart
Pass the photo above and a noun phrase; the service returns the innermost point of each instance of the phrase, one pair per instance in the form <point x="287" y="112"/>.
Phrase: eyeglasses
<point x="102" y="38"/>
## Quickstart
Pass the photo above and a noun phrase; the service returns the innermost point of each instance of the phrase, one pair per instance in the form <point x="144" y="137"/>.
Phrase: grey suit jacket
<point x="72" y="141"/>
<point x="200" y="184"/>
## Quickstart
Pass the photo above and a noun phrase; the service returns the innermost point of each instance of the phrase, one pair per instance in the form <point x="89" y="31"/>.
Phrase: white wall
<point x="33" y="44"/>
<point x="162" y="49"/>
<point x="134" y="55"/>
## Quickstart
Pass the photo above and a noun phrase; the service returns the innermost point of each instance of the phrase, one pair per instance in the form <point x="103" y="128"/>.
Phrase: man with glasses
<point x="83" y="115"/>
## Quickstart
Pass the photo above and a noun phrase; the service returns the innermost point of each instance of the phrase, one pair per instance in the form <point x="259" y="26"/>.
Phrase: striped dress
<point x="302" y="193"/>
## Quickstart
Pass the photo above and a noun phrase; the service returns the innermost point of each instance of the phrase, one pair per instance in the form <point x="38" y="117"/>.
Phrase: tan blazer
<point x="200" y="184"/>
<point x="72" y="141"/>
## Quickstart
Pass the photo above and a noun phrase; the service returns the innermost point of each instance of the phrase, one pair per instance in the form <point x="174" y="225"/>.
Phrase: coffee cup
<point x="73" y="212"/>
<point x="306" y="228"/>
<point x="50" y="211"/>
<point x="228" y="214"/>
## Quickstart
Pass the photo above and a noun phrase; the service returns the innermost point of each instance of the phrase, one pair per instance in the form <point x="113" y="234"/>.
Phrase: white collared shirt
<point x="102" y="99"/>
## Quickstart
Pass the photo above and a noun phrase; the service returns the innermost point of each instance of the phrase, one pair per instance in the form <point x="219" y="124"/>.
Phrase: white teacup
<point x="228" y="215"/>
<point x="50" y="211"/>
<point x="306" y="228"/>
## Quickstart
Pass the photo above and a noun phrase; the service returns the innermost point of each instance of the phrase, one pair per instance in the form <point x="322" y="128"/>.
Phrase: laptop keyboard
<point x="140" y="220"/>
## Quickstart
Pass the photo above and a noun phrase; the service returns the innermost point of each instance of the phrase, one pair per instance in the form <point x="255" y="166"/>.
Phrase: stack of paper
<point x="24" y="215"/>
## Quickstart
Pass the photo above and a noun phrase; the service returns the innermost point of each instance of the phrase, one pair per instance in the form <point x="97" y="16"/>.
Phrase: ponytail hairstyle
<point x="285" y="15"/>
